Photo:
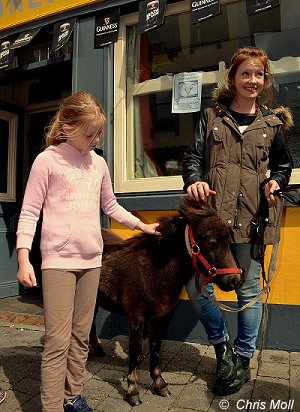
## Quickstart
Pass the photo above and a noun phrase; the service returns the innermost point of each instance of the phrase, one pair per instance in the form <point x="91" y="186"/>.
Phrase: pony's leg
<point x="156" y="326"/>
<point x="93" y="339"/>
<point x="136" y="329"/>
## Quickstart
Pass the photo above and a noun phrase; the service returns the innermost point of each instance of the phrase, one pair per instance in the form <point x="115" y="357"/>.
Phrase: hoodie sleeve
<point x="109" y="203"/>
<point x="35" y="193"/>
<point x="193" y="158"/>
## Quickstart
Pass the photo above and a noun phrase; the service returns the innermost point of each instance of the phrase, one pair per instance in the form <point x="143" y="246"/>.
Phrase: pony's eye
<point x="211" y="244"/>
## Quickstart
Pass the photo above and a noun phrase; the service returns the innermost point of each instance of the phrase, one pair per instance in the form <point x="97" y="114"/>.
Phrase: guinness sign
<point x="204" y="9"/>
<point x="151" y="14"/>
<point x="61" y="33"/>
<point x="24" y="38"/>
<point x="107" y="27"/>
<point x="6" y="53"/>
<point x="257" y="6"/>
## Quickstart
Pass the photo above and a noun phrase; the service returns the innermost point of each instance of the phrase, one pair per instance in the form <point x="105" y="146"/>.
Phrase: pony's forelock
<point x="192" y="208"/>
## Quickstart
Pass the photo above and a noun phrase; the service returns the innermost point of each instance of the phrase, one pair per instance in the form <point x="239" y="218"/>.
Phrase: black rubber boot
<point x="226" y="370"/>
<point x="242" y="369"/>
<point x="243" y="375"/>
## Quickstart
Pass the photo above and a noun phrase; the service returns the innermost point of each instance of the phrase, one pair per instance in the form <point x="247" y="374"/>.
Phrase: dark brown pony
<point x="143" y="277"/>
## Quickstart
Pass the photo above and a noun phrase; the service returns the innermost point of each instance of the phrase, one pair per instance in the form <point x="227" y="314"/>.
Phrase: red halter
<point x="210" y="270"/>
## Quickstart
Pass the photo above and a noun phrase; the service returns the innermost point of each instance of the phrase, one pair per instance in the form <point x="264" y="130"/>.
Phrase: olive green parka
<point x="235" y="164"/>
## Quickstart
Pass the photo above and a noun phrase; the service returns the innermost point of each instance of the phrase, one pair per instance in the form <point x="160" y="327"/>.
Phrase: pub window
<point x="149" y="138"/>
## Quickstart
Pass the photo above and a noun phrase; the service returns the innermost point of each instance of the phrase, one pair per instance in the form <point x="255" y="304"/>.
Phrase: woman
<point x="235" y="142"/>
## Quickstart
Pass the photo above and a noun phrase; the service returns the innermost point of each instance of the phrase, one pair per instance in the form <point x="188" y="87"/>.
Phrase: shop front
<point x="133" y="77"/>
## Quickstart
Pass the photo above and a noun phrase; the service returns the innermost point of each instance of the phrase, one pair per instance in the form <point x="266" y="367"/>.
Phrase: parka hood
<point x="221" y="96"/>
<point x="286" y="116"/>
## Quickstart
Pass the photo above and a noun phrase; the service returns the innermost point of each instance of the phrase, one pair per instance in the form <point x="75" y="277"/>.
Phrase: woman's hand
<point x="269" y="189"/>
<point x="25" y="273"/>
<point x="149" y="228"/>
<point x="200" y="190"/>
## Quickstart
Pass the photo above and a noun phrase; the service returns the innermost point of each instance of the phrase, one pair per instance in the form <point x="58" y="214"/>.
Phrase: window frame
<point x="124" y="156"/>
<point x="12" y="119"/>
<point x="282" y="66"/>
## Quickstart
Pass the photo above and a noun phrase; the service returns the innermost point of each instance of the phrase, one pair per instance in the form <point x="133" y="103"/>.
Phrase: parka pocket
<point x="262" y="154"/>
<point x="215" y="148"/>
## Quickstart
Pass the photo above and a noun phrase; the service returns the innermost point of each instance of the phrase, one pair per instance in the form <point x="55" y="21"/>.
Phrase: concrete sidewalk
<point x="189" y="369"/>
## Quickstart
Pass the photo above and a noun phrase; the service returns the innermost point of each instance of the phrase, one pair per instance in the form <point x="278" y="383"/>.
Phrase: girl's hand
<point x="200" y="190"/>
<point x="26" y="275"/>
<point x="269" y="189"/>
<point x="149" y="228"/>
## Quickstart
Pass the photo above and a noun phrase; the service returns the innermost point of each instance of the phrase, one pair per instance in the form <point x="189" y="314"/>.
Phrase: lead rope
<point x="266" y="289"/>
<point x="271" y="272"/>
<point x="220" y="304"/>
<point x="267" y="280"/>
<point x="291" y="194"/>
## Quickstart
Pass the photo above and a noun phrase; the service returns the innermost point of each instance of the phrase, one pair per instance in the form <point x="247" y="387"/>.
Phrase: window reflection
<point x="157" y="138"/>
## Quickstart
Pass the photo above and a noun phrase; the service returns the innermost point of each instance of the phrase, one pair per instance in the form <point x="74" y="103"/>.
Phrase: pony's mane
<point x="168" y="227"/>
<point x="190" y="212"/>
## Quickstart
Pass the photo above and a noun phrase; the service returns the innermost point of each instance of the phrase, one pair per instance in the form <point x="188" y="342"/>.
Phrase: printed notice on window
<point x="186" y="93"/>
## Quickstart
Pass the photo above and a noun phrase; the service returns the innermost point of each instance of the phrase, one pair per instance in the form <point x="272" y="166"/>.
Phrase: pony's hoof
<point x="163" y="392"/>
<point x="98" y="351"/>
<point x="133" y="400"/>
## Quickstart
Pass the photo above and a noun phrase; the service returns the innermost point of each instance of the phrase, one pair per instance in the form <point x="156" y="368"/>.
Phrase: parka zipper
<point x="235" y="221"/>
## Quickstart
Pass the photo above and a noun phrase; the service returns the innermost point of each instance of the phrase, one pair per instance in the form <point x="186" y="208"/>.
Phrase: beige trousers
<point x="69" y="298"/>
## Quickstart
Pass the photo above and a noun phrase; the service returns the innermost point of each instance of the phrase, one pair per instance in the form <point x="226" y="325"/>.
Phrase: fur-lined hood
<point x="222" y="96"/>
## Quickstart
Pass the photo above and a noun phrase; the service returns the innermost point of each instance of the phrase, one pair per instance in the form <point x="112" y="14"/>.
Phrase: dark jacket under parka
<point x="235" y="164"/>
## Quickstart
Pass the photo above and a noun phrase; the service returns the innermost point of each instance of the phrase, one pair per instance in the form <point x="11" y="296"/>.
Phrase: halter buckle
<point x="195" y="249"/>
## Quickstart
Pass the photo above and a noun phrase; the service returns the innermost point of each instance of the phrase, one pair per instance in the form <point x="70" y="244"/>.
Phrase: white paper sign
<point x="186" y="93"/>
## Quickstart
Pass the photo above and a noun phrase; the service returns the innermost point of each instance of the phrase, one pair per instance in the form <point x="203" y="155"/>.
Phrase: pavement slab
<point x="189" y="369"/>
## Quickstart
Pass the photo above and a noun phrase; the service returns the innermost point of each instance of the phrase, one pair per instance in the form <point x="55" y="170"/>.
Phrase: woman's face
<point x="249" y="79"/>
<point x="87" y="140"/>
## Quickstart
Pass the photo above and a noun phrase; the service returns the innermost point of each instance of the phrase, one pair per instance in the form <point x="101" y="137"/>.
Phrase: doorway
<point x="37" y="119"/>
<point x="33" y="93"/>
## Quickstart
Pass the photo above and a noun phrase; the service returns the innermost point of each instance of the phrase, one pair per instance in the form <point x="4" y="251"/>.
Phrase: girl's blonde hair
<point x="77" y="111"/>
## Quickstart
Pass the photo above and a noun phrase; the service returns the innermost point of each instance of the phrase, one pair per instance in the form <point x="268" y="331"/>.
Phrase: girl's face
<point x="249" y="79"/>
<point x="87" y="140"/>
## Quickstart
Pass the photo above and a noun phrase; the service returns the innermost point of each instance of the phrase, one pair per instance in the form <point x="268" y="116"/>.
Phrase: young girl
<point x="70" y="183"/>
<point x="235" y="142"/>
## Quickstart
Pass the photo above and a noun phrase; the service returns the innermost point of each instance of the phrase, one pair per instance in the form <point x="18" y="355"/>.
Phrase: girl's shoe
<point x="2" y="395"/>
<point x="77" y="405"/>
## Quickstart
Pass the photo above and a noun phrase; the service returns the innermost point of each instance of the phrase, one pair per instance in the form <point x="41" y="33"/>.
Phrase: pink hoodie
<point x="70" y="187"/>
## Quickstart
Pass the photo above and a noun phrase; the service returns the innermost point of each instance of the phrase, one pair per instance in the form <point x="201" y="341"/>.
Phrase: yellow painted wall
<point x="16" y="12"/>
<point x="285" y="286"/>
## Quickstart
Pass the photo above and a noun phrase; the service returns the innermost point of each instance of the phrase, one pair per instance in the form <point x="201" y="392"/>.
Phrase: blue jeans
<point x="248" y="319"/>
